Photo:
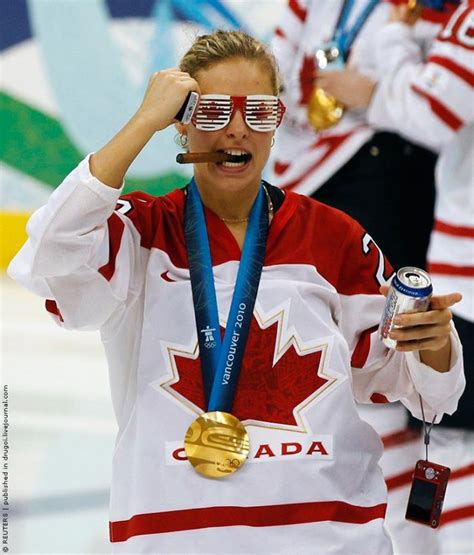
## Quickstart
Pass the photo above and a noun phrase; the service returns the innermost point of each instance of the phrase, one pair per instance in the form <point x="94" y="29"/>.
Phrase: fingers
<point x="350" y="87"/>
<point x="384" y="290"/>
<point x="428" y="330"/>
<point x="410" y="319"/>
<point x="165" y="94"/>
<point x="328" y="78"/>
<point x="421" y="332"/>
<point x="425" y="330"/>
<point x="444" y="301"/>
<point x="429" y="344"/>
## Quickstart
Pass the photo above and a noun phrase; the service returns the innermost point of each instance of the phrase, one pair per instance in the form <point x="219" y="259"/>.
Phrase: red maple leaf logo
<point x="266" y="392"/>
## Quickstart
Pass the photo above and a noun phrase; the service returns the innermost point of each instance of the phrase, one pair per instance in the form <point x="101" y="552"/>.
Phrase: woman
<point x="142" y="275"/>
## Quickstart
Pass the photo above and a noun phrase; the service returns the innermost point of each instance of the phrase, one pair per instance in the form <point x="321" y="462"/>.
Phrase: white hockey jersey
<point x="304" y="158"/>
<point x="433" y="103"/>
<point x="312" y="482"/>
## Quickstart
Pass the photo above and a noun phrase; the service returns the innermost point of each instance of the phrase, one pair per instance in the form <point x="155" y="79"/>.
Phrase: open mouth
<point x="236" y="158"/>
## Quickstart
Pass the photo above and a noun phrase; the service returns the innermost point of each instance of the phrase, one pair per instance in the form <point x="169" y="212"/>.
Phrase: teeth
<point x="234" y="152"/>
<point x="233" y="164"/>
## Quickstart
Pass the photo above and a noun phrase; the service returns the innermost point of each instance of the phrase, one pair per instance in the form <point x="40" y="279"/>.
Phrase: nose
<point x="237" y="128"/>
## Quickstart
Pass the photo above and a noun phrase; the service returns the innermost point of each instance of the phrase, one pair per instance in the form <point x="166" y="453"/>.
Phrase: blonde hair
<point x="221" y="46"/>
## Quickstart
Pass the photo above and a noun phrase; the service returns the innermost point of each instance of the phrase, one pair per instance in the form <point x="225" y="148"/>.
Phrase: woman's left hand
<point x="349" y="86"/>
<point x="427" y="332"/>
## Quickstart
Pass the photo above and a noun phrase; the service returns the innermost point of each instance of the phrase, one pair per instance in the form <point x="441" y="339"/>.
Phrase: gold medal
<point x="324" y="110"/>
<point x="216" y="444"/>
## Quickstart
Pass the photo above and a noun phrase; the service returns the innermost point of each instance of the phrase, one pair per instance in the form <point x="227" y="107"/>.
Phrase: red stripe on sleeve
<point x="361" y="351"/>
<point x="456" y="230"/>
<point x="267" y="515"/>
<point x="52" y="308"/>
<point x="116" y="228"/>
<point x="462" y="72"/>
<point x="378" y="398"/>
<point x="448" y="117"/>
<point x="450" y="270"/>
<point x="297" y="10"/>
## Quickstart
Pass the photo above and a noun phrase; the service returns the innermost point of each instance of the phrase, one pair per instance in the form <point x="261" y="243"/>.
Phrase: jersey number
<point x="464" y="34"/>
<point x="123" y="206"/>
<point x="367" y="241"/>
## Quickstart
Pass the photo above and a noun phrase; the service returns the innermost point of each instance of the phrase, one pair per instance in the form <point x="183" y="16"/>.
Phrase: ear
<point x="180" y="128"/>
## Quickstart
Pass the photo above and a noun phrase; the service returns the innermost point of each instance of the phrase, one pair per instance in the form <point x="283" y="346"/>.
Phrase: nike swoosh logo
<point x="166" y="277"/>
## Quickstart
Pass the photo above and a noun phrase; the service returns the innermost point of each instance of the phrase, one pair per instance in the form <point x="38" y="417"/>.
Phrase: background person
<point x="383" y="180"/>
<point x="312" y="345"/>
<point x="431" y="100"/>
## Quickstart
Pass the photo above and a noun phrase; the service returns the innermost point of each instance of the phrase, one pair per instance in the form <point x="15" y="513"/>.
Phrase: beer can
<point x="410" y="291"/>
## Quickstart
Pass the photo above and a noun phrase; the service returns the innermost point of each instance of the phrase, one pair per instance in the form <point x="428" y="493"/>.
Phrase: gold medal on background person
<point x="217" y="444"/>
<point x="324" y="110"/>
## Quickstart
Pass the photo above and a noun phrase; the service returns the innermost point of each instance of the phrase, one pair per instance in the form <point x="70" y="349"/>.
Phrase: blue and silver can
<point x="410" y="291"/>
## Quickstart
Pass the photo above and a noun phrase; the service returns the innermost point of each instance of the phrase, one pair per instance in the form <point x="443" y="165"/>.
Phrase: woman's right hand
<point x="164" y="96"/>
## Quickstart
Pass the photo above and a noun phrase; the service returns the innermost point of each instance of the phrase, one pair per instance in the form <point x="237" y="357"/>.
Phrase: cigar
<point x="200" y="157"/>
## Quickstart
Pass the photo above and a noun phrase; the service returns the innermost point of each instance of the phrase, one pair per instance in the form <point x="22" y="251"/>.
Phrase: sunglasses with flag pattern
<point x="261" y="112"/>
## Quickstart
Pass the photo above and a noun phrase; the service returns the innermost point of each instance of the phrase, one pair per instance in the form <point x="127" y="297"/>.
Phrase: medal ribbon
<point x="221" y="359"/>
<point x="345" y="37"/>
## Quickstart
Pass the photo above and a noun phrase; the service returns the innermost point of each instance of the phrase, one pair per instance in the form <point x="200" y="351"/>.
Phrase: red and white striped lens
<point x="261" y="112"/>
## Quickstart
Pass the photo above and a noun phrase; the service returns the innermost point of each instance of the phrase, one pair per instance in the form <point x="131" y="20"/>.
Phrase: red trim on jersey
<point x="52" y="308"/>
<point x="450" y="270"/>
<point x="279" y="33"/>
<point x="454" y="515"/>
<point x="400" y="438"/>
<point x="297" y="10"/>
<point x="456" y="230"/>
<point x="448" y="117"/>
<point x="378" y="398"/>
<point x="361" y="351"/>
<point x="461" y="72"/>
<point x="265" y="515"/>
<point x="332" y="143"/>
<point x="116" y="228"/>
<point x="303" y="231"/>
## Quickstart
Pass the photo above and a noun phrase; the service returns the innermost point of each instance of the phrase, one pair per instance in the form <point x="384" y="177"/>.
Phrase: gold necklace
<point x="241" y="220"/>
<point x="235" y="221"/>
